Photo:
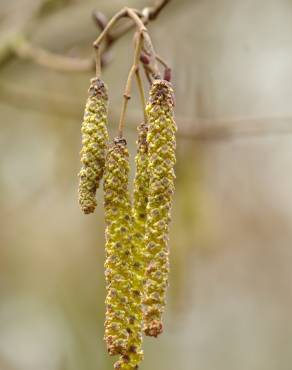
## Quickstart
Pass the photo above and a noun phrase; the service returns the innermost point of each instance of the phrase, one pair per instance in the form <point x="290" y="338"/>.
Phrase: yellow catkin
<point x="134" y="354"/>
<point x="123" y="301"/>
<point x="161" y="156"/>
<point x="94" y="144"/>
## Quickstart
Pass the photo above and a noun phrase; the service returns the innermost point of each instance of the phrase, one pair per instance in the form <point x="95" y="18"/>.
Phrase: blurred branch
<point x="25" y="50"/>
<point x="20" y="24"/>
<point x="156" y="9"/>
<point x="188" y="129"/>
<point x="17" y="25"/>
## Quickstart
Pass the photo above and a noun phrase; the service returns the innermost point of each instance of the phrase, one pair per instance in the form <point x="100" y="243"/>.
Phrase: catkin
<point x="123" y="302"/>
<point x="161" y="156"/>
<point x="94" y="144"/>
<point x="134" y="353"/>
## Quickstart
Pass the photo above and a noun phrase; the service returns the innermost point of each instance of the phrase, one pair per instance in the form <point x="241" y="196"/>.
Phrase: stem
<point x="154" y="12"/>
<point x="97" y="62"/>
<point x="125" y="12"/>
<point x="25" y="50"/>
<point x="122" y="13"/>
<point x="139" y="23"/>
<point x="150" y="71"/>
<point x="151" y="52"/>
<point x="147" y="39"/>
<point x="127" y="92"/>
<point x="161" y="61"/>
<point x="141" y="93"/>
<point x="147" y="74"/>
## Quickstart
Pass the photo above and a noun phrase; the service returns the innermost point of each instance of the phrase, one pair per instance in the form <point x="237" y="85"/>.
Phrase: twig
<point x="147" y="45"/>
<point x="156" y="9"/>
<point x="122" y="13"/>
<point x="147" y="74"/>
<point x="97" y="62"/>
<point x="161" y="61"/>
<point x="141" y="93"/>
<point x="133" y="70"/>
<point x="63" y="63"/>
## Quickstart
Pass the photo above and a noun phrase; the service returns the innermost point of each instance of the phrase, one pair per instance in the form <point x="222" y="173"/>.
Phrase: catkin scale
<point x="94" y="143"/>
<point x="141" y="184"/>
<point x="123" y="301"/>
<point x="161" y="157"/>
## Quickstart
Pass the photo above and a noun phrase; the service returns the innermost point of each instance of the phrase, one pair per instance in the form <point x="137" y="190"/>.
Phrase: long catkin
<point x="161" y="156"/>
<point x="134" y="353"/>
<point x="94" y="144"/>
<point x="123" y="302"/>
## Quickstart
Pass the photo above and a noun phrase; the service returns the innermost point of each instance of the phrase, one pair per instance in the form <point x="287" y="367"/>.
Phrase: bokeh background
<point x="230" y="297"/>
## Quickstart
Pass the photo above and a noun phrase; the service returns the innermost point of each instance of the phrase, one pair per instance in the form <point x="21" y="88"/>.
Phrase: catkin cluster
<point x="94" y="143"/>
<point x="137" y="256"/>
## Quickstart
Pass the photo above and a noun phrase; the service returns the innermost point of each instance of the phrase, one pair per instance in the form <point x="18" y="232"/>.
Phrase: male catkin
<point x="134" y="353"/>
<point x="94" y="144"/>
<point x="123" y="302"/>
<point x="161" y="156"/>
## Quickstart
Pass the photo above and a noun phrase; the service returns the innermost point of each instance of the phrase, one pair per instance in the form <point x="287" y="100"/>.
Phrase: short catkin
<point x="94" y="144"/>
<point x="161" y="156"/>
<point x="123" y="301"/>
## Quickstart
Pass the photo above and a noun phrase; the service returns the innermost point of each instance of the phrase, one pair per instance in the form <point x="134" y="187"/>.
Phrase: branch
<point x="26" y="50"/>
<point x="196" y="128"/>
<point x="156" y="9"/>
<point x="132" y="73"/>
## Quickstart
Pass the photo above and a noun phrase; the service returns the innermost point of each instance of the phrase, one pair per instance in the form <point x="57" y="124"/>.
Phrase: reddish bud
<point x="167" y="74"/>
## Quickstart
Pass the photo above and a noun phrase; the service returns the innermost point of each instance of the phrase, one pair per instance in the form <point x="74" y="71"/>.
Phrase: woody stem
<point x="127" y="91"/>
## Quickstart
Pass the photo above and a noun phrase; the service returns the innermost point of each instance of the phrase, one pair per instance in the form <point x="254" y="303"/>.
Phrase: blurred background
<point x="230" y="297"/>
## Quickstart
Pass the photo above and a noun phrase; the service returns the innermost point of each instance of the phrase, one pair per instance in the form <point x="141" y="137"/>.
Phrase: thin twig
<point x="97" y="62"/>
<point x="122" y="13"/>
<point x="147" y="74"/>
<point x="127" y="92"/>
<point x="161" y="61"/>
<point x="156" y="9"/>
<point x="141" y="93"/>
<point x="65" y="63"/>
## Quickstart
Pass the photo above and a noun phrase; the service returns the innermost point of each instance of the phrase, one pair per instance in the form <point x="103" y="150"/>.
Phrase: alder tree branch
<point x="24" y="49"/>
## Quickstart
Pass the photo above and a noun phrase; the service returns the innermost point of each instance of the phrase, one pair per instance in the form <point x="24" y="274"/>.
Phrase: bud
<point x="94" y="144"/>
<point x="161" y="160"/>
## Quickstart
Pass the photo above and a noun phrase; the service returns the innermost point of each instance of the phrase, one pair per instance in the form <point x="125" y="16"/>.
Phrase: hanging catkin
<point x="123" y="302"/>
<point x="134" y="353"/>
<point x="94" y="143"/>
<point x="161" y="156"/>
